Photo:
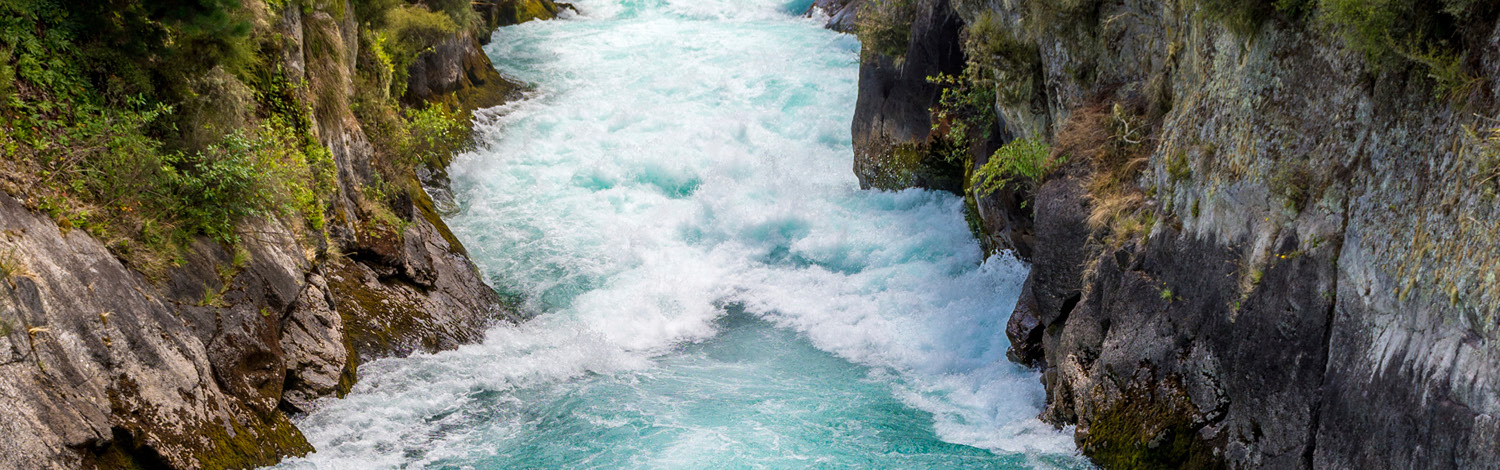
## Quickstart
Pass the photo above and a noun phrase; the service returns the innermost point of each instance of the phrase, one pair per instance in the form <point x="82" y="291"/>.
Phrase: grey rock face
<point x="1317" y="287"/>
<point x="317" y="362"/>
<point x="894" y="102"/>
<point x="457" y="67"/>
<point x="101" y="368"/>
<point x="97" y="355"/>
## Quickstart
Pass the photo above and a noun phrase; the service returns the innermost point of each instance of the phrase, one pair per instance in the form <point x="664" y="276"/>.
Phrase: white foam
<point x="677" y="157"/>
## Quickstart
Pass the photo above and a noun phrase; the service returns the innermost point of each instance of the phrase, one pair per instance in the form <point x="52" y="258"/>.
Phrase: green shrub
<point x="1373" y="27"/>
<point x="884" y="26"/>
<point x="373" y="12"/>
<point x="149" y="123"/>
<point x="437" y="133"/>
<point x="265" y="174"/>
<point x="1022" y="162"/>
<point x="460" y="11"/>
<point x="1389" y="33"/>
<point x="965" y="110"/>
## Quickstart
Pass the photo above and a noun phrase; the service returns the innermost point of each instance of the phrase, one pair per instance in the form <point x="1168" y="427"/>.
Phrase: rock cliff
<point x="1256" y="246"/>
<point x="102" y="366"/>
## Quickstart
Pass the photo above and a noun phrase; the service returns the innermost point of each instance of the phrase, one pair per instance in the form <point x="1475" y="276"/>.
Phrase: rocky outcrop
<point x="457" y="72"/>
<point x="897" y="142"/>
<point x="842" y="14"/>
<point x="1296" y="271"/>
<point x="891" y="116"/>
<point x="497" y="13"/>
<point x="101" y="367"/>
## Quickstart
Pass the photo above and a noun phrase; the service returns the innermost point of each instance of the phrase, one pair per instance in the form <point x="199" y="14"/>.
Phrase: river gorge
<point x="712" y="289"/>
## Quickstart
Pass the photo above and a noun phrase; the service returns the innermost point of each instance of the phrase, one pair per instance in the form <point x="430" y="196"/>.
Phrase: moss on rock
<point x="897" y="166"/>
<point x="1149" y="427"/>
<point x="239" y="447"/>
<point x="514" y="12"/>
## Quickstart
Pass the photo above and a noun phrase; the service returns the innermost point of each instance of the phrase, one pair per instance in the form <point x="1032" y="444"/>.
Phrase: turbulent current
<point x="675" y="203"/>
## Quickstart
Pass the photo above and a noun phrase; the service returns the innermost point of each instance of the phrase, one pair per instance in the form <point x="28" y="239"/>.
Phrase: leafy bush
<point x="373" y="12"/>
<point x="1391" y="34"/>
<point x="263" y="174"/>
<point x="149" y="123"/>
<point x="96" y="133"/>
<point x="1371" y="26"/>
<point x="965" y="112"/>
<point x="436" y="131"/>
<point x="1395" y="33"/>
<point x="460" y="11"/>
<point x="1022" y="162"/>
<point x="884" y="26"/>
<point x="220" y="186"/>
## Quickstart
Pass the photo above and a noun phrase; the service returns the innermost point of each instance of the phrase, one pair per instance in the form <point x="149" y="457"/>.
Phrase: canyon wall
<point x="1254" y="247"/>
<point x="102" y="366"/>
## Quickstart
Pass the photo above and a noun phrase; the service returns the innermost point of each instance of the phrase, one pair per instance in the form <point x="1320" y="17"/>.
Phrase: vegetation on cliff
<point x="149" y="124"/>
<point x="235" y="152"/>
<point x="884" y="26"/>
<point x="1433" y="35"/>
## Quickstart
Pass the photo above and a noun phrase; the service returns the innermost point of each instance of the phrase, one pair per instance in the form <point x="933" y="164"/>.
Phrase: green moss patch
<point x="243" y="447"/>
<point x="1148" y="428"/>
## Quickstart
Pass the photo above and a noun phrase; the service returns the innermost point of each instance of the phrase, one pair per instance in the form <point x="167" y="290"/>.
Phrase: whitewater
<point x="674" y="202"/>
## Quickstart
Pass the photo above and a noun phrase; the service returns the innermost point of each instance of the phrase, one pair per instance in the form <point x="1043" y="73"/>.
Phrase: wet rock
<point x="842" y="14"/>
<point x="1025" y="331"/>
<point x="1005" y="215"/>
<point x="512" y="12"/>
<point x="317" y="361"/>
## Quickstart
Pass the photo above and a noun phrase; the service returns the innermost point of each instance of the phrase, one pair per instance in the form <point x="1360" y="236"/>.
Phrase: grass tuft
<point x="12" y="266"/>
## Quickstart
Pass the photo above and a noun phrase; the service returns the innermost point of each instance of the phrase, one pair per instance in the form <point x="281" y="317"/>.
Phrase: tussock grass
<point x="1114" y="140"/>
<point x="12" y="266"/>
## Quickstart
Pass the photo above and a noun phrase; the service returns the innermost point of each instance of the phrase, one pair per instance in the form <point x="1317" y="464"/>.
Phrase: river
<point x="675" y="203"/>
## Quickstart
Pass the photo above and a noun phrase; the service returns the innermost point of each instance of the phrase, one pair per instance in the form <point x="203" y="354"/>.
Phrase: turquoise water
<point x="675" y="202"/>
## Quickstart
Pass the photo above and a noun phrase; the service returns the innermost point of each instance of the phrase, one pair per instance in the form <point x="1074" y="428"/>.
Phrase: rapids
<point x="674" y="202"/>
